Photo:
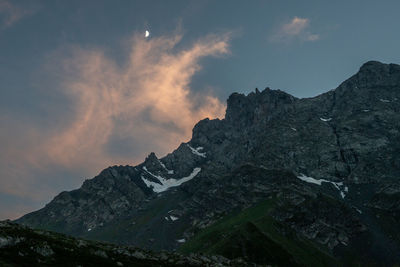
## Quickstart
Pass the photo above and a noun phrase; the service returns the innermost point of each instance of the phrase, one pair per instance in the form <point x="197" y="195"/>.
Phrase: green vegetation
<point x="147" y="223"/>
<point x="256" y="236"/>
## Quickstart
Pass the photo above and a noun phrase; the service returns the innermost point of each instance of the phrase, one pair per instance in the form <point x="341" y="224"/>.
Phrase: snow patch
<point x="165" y="168"/>
<point x="165" y="184"/>
<point x="155" y="176"/>
<point x="365" y="110"/>
<point x="358" y="210"/>
<point x="183" y="240"/>
<point x="323" y="119"/>
<point x="196" y="151"/>
<point x="173" y="218"/>
<point x="311" y="180"/>
<point x="90" y="229"/>
<point x="294" y="129"/>
<point x="337" y="185"/>
<point x="384" y="100"/>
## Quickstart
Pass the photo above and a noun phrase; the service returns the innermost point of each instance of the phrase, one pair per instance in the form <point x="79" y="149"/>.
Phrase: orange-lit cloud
<point x="297" y="28"/>
<point x="146" y="101"/>
<point x="148" y="97"/>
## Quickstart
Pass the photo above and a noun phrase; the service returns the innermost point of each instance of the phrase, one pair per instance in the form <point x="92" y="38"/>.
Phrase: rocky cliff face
<point x="337" y="135"/>
<point x="329" y="162"/>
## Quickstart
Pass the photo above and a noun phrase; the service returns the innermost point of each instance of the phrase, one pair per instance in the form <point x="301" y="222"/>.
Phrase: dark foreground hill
<point x="22" y="246"/>
<point x="279" y="180"/>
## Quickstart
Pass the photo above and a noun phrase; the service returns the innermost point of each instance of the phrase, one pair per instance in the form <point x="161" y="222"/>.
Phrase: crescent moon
<point x="147" y="34"/>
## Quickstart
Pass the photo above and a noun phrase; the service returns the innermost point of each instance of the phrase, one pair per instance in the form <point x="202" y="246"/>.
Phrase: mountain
<point x="315" y="180"/>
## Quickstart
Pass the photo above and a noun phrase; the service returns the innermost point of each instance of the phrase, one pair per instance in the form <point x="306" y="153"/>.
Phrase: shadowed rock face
<point x="338" y="135"/>
<point x="348" y="138"/>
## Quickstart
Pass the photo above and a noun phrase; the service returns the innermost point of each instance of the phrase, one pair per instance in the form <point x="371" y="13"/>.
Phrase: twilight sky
<point x="81" y="88"/>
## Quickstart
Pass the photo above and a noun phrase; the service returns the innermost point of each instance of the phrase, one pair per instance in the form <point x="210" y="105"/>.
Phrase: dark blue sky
<point x="81" y="87"/>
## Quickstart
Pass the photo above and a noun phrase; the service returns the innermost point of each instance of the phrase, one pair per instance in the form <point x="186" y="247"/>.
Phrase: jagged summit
<point x="151" y="157"/>
<point x="372" y="64"/>
<point x="267" y="101"/>
<point x="377" y="65"/>
<point x="335" y="152"/>
<point x="373" y="74"/>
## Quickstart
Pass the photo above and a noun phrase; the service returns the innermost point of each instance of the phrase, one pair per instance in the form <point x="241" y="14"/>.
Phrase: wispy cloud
<point x="11" y="13"/>
<point x="148" y="99"/>
<point x="117" y="114"/>
<point x="296" y="29"/>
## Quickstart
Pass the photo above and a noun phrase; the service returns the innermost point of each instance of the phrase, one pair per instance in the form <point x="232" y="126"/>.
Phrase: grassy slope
<point x="146" y="224"/>
<point x="254" y="234"/>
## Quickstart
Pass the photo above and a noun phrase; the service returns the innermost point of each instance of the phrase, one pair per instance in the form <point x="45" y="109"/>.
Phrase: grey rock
<point x="348" y="137"/>
<point x="43" y="249"/>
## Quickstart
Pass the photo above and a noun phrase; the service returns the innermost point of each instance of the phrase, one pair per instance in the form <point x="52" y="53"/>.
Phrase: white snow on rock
<point x="384" y="100"/>
<point x="173" y="218"/>
<point x="323" y="119"/>
<point x="196" y="151"/>
<point x="165" y="184"/>
<point x="183" y="240"/>
<point x="337" y="185"/>
<point x="162" y="165"/>
<point x="90" y="229"/>
<point x="294" y="129"/>
<point x="365" y="110"/>
<point x="166" y="218"/>
<point x="311" y="180"/>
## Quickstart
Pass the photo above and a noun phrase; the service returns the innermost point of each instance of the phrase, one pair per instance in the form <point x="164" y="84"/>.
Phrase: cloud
<point x="147" y="98"/>
<point x="11" y="13"/>
<point x="296" y="29"/>
<point x="117" y="112"/>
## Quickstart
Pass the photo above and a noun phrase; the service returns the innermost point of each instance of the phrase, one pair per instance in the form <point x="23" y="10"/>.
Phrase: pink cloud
<point x="297" y="28"/>
<point x="154" y="80"/>
<point x="147" y="99"/>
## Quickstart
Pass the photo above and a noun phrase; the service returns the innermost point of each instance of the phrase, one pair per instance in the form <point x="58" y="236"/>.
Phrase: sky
<point x="82" y="88"/>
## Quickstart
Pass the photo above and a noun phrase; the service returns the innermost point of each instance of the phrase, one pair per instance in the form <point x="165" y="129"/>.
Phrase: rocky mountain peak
<point x="243" y="110"/>
<point x="372" y="66"/>
<point x="151" y="160"/>
<point x="334" y="152"/>
<point x="374" y="74"/>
